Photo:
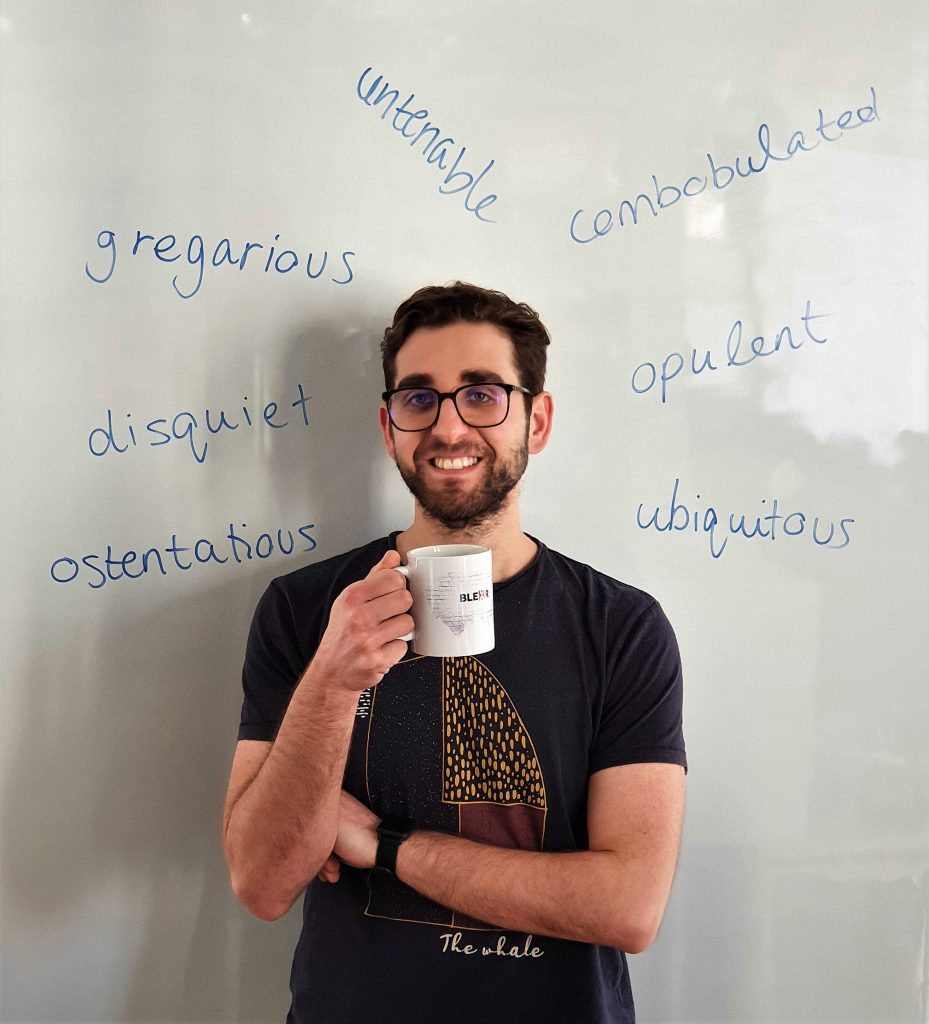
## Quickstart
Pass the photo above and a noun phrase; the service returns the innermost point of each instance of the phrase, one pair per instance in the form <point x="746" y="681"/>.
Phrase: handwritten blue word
<point x="184" y="426"/>
<point x="163" y="249"/>
<point x="108" y="568"/>
<point x="680" y="517"/>
<point x="721" y="175"/>
<point x="437" y="147"/>
<point x="645" y="375"/>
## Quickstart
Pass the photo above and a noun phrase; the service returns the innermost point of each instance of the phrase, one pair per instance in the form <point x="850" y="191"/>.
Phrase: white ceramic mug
<point x="453" y="599"/>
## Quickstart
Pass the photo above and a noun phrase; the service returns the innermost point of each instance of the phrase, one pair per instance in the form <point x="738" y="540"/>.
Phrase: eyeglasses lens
<point x="479" y="405"/>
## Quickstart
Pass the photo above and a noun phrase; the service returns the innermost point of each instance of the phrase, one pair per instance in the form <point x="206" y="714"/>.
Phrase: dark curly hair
<point x="441" y="305"/>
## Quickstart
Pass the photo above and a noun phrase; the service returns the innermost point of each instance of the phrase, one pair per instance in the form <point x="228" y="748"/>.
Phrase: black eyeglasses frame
<point x="453" y="395"/>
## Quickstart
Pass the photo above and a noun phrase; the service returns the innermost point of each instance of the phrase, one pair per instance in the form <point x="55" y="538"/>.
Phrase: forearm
<point x="283" y="827"/>
<point x="588" y="896"/>
<point x="282" y="811"/>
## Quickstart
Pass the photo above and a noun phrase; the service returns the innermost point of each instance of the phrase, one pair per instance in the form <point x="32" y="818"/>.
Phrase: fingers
<point x="366" y="618"/>
<point x="392" y="629"/>
<point x="375" y="600"/>
<point x="330" y="870"/>
<point x="394" y="603"/>
<point x="395" y="649"/>
<point x="377" y="584"/>
<point x="374" y="616"/>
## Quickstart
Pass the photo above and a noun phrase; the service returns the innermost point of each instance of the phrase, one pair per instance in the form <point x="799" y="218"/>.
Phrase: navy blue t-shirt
<point x="497" y="748"/>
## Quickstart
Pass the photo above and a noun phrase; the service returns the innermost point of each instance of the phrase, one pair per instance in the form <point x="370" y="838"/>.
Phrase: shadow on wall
<point x="118" y="899"/>
<point x="788" y="943"/>
<point x="808" y="784"/>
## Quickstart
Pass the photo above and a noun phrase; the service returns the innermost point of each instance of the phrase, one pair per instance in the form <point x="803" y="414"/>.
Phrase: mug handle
<point x="404" y="571"/>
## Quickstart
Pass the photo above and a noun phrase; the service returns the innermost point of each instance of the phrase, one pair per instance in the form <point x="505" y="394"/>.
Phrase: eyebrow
<point x="470" y="376"/>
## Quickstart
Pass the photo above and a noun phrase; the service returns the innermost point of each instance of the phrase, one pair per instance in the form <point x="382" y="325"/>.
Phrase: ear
<point x="387" y="432"/>
<point x="540" y="422"/>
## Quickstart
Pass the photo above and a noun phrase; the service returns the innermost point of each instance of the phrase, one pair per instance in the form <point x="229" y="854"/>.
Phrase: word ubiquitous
<point x="584" y="229"/>
<point x="646" y="375"/>
<point x="437" y="148"/>
<point x="97" y="569"/>
<point x="185" y="427"/>
<point x="167" y="249"/>
<point x="718" y="528"/>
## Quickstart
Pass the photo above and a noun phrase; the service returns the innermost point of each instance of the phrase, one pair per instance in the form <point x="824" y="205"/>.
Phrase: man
<point x="532" y="796"/>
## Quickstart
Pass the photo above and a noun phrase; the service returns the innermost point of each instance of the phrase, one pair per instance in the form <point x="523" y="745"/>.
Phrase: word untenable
<point x="437" y="147"/>
<point x="96" y="569"/>
<point x="659" y="197"/>
<point x="185" y="427"/>
<point x="718" y="528"/>
<point x="646" y="375"/>
<point x="165" y="249"/>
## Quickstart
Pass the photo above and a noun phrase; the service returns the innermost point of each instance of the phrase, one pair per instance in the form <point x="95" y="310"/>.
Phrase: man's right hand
<point x="361" y="643"/>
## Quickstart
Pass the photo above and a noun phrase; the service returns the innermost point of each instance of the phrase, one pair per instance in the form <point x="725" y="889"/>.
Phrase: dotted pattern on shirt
<point x="488" y="755"/>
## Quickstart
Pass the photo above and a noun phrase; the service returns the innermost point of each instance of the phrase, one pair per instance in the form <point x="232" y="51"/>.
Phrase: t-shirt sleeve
<point x="273" y="665"/>
<point x="641" y="716"/>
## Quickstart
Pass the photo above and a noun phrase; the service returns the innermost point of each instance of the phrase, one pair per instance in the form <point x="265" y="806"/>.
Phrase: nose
<point x="449" y="426"/>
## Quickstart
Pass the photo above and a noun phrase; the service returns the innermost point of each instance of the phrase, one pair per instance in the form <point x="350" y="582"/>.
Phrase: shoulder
<point x="616" y="616"/>
<point x="319" y="583"/>
<point x="596" y="587"/>
<point x="356" y="562"/>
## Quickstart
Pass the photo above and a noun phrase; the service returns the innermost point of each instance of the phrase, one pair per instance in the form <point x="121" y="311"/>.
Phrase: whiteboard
<point x="720" y="211"/>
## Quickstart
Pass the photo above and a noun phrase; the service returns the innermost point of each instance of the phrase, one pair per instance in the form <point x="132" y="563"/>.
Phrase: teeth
<point x="455" y="463"/>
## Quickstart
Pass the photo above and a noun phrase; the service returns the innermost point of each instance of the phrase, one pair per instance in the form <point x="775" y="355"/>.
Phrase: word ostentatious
<point x="584" y="229"/>
<point x="167" y="249"/>
<point x="436" y="148"/>
<point x="98" y="568"/>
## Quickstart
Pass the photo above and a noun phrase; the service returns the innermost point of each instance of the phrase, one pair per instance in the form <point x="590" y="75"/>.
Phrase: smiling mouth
<point x="463" y="463"/>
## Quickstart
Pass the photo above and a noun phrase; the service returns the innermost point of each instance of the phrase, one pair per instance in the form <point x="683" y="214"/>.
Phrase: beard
<point x="455" y="510"/>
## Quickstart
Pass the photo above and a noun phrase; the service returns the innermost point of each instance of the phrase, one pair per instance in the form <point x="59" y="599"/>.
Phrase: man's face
<point x="444" y="358"/>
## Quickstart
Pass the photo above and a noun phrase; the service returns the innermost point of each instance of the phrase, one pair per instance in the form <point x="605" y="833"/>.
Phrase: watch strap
<point x="390" y="834"/>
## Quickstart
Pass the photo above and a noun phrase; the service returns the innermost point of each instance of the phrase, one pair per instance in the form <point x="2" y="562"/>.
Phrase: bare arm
<point x="613" y="894"/>
<point x="282" y="805"/>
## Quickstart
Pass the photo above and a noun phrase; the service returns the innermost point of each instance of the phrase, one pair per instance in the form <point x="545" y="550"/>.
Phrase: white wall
<point x="804" y="879"/>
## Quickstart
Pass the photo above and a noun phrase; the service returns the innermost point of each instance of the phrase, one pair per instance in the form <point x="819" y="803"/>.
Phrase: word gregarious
<point x="281" y="261"/>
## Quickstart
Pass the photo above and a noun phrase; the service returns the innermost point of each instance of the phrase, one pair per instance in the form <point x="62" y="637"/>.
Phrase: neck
<point x="512" y="549"/>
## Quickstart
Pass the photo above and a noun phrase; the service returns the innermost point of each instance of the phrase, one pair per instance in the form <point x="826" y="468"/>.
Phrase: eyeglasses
<point x="478" y="405"/>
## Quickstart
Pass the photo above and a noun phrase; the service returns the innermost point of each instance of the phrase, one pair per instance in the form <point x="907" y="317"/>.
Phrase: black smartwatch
<point x="390" y="834"/>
